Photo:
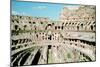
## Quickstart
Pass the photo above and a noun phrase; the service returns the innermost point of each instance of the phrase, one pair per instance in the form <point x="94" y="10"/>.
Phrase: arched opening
<point x="93" y="22"/>
<point x="16" y="27"/>
<point x="49" y="26"/>
<point x="91" y="27"/>
<point x="49" y="37"/>
<point x="66" y="23"/>
<point x="49" y="46"/>
<point x="55" y="27"/>
<point x="70" y="23"/>
<point x="62" y="27"/>
<point x="30" y="22"/>
<point x="17" y="21"/>
<point x="13" y="48"/>
<point x="25" y="27"/>
<point x="41" y="22"/>
<point x="37" y="35"/>
<point x="58" y="27"/>
<point x="82" y="25"/>
<point x="52" y="23"/>
<point x="77" y="27"/>
<point x="12" y="20"/>
<point x="24" y="40"/>
<point x="33" y="22"/>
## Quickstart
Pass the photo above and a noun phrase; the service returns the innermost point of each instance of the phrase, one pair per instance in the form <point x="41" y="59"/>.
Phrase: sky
<point x="39" y="9"/>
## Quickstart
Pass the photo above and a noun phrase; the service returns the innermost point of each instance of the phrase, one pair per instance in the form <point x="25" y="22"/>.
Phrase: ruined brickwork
<point x="39" y="40"/>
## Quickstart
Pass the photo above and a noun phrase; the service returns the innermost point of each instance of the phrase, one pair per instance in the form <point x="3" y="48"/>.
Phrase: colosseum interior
<point x="39" y="40"/>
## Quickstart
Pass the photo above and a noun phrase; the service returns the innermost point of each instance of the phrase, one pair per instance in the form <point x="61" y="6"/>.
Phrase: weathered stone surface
<point x="38" y="40"/>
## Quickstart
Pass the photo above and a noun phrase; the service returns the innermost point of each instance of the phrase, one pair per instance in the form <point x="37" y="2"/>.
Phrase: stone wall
<point x="39" y="40"/>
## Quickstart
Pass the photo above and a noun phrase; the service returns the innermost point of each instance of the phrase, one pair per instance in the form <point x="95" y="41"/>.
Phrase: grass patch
<point x="69" y="55"/>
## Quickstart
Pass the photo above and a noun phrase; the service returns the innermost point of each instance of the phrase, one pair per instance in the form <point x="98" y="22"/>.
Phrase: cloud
<point x="72" y="7"/>
<point x="15" y="12"/>
<point x="40" y="7"/>
<point x="18" y="13"/>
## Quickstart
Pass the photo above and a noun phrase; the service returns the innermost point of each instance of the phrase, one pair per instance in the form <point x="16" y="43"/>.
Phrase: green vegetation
<point x="69" y="55"/>
<point x="50" y="57"/>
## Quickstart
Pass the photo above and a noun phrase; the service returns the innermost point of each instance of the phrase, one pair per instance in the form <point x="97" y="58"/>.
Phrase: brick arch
<point x="49" y="25"/>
